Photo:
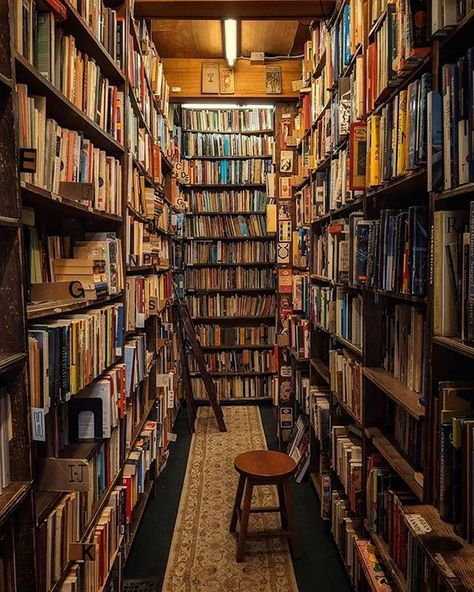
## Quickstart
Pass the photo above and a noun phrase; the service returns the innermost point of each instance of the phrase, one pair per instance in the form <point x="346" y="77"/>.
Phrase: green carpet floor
<point x="319" y="567"/>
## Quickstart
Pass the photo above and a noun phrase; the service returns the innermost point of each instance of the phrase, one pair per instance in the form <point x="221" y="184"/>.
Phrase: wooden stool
<point x="264" y="467"/>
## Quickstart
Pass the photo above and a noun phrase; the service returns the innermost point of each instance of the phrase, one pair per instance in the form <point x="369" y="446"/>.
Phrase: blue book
<point x="418" y="229"/>
<point x="346" y="35"/>
<point x="423" y="114"/>
<point x="435" y="141"/>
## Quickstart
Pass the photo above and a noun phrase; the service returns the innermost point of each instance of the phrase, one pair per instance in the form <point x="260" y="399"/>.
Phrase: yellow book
<point x="402" y="145"/>
<point x="271" y="218"/>
<point x="374" y="151"/>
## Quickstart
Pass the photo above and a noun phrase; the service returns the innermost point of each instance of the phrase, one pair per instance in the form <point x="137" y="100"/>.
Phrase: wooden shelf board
<point x="396" y="390"/>
<point x="233" y="400"/>
<point x="347" y="409"/>
<point x="94" y="47"/>
<point x="402" y="184"/>
<point x="60" y="108"/>
<point x="395" y="460"/>
<point x="146" y="269"/>
<point x="250" y="264"/>
<point x="41" y="310"/>
<point x="268" y="237"/>
<point x="6" y="82"/>
<point x="257" y="157"/>
<point x="38" y="197"/>
<point x="455" y="344"/>
<point x="12" y="496"/>
<point x="229" y="290"/>
<point x="7" y="222"/>
<point x="465" y="190"/>
<point x="396" y="575"/>
<point x="230" y="374"/>
<point x="395" y="295"/>
<point x="319" y="327"/>
<point x="8" y="360"/>
<point x="321" y="368"/>
<point x="442" y="543"/>
<point x="246" y="133"/>
<point x="295" y="355"/>
<point x="221" y="185"/>
<point x="350" y="346"/>
<point x="236" y="213"/>
<point x="235" y="318"/>
<point x="238" y="347"/>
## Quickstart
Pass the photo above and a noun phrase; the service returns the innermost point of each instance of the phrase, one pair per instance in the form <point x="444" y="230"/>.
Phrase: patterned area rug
<point x="202" y="555"/>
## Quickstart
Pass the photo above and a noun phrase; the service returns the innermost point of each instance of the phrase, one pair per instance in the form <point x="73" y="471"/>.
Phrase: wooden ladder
<point x="186" y="334"/>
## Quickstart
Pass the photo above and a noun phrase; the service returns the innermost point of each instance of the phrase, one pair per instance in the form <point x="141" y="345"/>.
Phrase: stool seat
<point x="264" y="464"/>
<point x="264" y="467"/>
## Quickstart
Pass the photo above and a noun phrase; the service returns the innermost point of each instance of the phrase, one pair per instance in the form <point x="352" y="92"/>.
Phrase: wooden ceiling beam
<point x="240" y="9"/>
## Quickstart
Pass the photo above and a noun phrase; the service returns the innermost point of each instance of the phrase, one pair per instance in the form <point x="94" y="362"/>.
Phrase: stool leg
<point x="290" y="512"/>
<point x="237" y="502"/>
<point x="282" y="504"/>
<point x="244" y="521"/>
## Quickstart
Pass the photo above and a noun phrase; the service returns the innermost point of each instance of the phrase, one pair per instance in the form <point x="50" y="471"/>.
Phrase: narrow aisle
<point x="318" y="569"/>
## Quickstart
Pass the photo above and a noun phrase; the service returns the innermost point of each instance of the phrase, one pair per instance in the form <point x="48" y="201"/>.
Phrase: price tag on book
<point x="38" y="424"/>
<point x="418" y="524"/>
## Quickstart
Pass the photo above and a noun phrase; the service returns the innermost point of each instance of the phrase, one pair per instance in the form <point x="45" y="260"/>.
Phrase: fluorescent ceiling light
<point x="224" y="106"/>
<point x="230" y="36"/>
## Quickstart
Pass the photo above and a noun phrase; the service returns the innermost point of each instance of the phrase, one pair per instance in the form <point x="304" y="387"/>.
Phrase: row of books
<point x="455" y="447"/>
<point x="146" y="296"/>
<point x="345" y="373"/>
<point x="73" y="72"/>
<point x="322" y="307"/>
<point x="453" y="281"/>
<point x="403" y="344"/>
<point x="235" y="145"/>
<point x="406" y="432"/>
<point x="346" y="529"/>
<point x="67" y="354"/>
<point x="399" y="42"/>
<point x="153" y="66"/>
<point x="226" y="172"/>
<point x="144" y="148"/>
<point x="240" y="278"/>
<point x="202" y="226"/>
<point x="144" y="246"/>
<point x="63" y="155"/>
<point x="346" y="454"/>
<point x="216" y="335"/>
<point x="228" y="120"/>
<point x="348" y="316"/>
<point x="240" y="361"/>
<point x="300" y="336"/>
<point x="228" y="252"/>
<point x="397" y="137"/>
<point x="95" y="262"/>
<point x="319" y="414"/>
<point x="387" y="516"/>
<point x="36" y="40"/>
<point x="222" y="306"/>
<point x="236" y="387"/>
<point x="240" y="200"/>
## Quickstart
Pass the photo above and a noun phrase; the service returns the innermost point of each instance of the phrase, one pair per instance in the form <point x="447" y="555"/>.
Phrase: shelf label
<point x="38" y="424"/>
<point x="64" y="474"/>
<point x="418" y="524"/>
<point x="444" y="567"/>
<point x="82" y="551"/>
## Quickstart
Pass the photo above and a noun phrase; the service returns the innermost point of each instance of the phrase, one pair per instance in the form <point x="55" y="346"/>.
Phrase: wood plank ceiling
<point x="203" y="38"/>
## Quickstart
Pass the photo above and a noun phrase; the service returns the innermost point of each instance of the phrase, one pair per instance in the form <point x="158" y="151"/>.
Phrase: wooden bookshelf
<point x="254" y="289"/>
<point x="397" y="391"/>
<point x="395" y="459"/>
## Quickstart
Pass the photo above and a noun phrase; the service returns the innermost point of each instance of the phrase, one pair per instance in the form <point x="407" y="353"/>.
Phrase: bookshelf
<point x="387" y="417"/>
<point x="229" y="254"/>
<point x="89" y="253"/>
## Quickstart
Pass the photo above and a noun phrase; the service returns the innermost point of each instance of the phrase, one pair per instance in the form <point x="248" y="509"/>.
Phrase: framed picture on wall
<point x="210" y="78"/>
<point x="273" y="80"/>
<point x="226" y="81"/>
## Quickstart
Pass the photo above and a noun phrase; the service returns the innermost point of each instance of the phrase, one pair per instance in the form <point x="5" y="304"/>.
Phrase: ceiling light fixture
<point x="230" y="36"/>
